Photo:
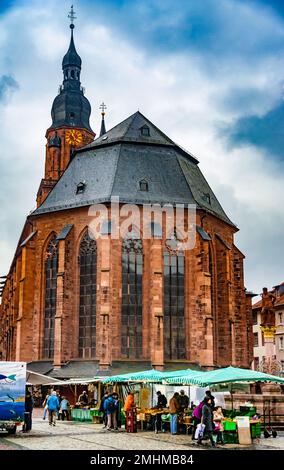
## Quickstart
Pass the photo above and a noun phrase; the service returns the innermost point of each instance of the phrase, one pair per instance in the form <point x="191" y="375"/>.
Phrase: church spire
<point x="103" y="127"/>
<point x="71" y="108"/>
<point x="71" y="64"/>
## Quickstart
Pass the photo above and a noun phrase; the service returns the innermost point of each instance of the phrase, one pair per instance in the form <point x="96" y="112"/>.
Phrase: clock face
<point x="74" y="137"/>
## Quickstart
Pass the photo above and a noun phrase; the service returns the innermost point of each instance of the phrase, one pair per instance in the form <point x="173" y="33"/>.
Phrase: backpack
<point x="111" y="405"/>
<point x="197" y="412"/>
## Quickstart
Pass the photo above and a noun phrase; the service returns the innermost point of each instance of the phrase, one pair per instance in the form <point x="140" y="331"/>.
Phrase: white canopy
<point x="33" y="378"/>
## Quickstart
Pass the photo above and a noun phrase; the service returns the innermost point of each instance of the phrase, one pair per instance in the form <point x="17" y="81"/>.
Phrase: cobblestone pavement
<point x="87" y="436"/>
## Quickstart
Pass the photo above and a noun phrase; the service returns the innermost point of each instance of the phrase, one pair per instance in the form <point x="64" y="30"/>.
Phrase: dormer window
<point x="207" y="198"/>
<point x="81" y="187"/>
<point x="143" y="185"/>
<point x="145" y="131"/>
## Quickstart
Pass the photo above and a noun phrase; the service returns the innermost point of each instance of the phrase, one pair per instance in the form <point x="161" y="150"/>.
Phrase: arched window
<point x="50" y="267"/>
<point x="174" y="322"/>
<point x="131" y="315"/>
<point x="88" y="297"/>
<point x="211" y="271"/>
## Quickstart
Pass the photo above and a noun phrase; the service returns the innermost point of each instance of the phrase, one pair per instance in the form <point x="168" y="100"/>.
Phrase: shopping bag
<point x="199" y="431"/>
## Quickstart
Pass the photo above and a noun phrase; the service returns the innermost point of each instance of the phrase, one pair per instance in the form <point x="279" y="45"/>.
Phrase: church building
<point x="76" y="305"/>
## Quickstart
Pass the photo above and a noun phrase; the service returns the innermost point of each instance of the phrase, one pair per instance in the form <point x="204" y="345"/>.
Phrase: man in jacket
<point x="174" y="408"/>
<point x="53" y="407"/>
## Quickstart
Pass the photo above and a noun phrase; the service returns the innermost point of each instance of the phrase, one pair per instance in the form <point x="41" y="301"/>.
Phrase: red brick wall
<point x="216" y="334"/>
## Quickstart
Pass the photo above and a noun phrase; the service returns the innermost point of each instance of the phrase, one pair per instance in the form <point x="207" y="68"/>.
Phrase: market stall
<point x="231" y="375"/>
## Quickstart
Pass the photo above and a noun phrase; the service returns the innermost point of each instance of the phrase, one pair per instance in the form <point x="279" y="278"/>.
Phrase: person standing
<point x="130" y="413"/>
<point x="118" y="409"/>
<point x="129" y="402"/>
<point x="218" y="419"/>
<point x="183" y="400"/>
<point x="174" y="408"/>
<point x="207" y="420"/>
<point x="53" y="407"/>
<point x="64" y="409"/>
<point x="161" y="400"/>
<point x="45" y="409"/>
<point x="29" y="404"/>
<point x="161" y="403"/>
<point x="110" y="406"/>
<point x="83" y="399"/>
<point x="102" y="409"/>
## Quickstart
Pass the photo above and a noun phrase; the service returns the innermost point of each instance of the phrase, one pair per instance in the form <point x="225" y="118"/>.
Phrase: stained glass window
<point x="88" y="297"/>
<point x="131" y="316"/>
<point x="51" y="267"/>
<point x="174" y="323"/>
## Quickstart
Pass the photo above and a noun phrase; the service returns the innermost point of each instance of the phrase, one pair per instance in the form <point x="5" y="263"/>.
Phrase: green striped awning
<point x="225" y="375"/>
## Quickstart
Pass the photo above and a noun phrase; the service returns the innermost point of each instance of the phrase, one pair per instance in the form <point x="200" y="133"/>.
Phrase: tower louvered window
<point x="132" y="292"/>
<point x="51" y="267"/>
<point x="88" y="297"/>
<point x="174" y="321"/>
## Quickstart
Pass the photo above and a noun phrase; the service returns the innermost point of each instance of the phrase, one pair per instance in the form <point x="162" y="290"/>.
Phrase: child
<point x="218" y="419"/>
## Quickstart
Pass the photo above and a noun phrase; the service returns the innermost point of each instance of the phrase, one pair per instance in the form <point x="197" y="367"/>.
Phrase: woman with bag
<point x="218" y="419"/>
<point x="207" y="421"/>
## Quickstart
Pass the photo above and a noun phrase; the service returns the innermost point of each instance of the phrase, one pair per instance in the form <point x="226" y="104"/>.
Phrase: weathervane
<point x="103" y="108"/>
<point x="72" y="17"/>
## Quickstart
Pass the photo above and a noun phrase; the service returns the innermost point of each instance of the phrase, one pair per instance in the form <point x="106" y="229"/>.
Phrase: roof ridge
<point x="114" y="173"/>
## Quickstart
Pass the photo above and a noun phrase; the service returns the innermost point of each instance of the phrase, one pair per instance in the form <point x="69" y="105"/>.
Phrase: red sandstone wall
<point x="216" y="310"/>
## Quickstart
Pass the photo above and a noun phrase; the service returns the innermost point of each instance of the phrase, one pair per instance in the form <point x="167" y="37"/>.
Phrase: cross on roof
<point x="103" y="108"/>
<point x="72" y="16"/>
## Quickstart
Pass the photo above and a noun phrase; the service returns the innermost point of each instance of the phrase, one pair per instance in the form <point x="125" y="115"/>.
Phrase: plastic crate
<point x="230" y="437"/>
<point x="255" y="430"/>
<point x="229" y="426"/>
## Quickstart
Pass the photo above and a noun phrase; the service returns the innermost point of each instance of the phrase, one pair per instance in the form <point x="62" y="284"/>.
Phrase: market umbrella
<point x="180" y="373"/>
<point x="144" y="376"/>
<point x="225" y="375"/>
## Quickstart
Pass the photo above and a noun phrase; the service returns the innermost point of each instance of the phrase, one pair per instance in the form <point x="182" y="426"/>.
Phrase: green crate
<point x="255" y="430"/>
<point x="230" y="437"/>
<point x="229" y="425"/>
<point x="122" y="416"/>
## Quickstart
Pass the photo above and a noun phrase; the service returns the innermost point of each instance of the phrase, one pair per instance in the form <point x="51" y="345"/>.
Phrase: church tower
<point x="70" y="114"/>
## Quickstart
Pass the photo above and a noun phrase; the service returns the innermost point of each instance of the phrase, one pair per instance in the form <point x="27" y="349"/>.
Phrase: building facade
<point x="258" y="340"/>
<point x="71" y="300"/>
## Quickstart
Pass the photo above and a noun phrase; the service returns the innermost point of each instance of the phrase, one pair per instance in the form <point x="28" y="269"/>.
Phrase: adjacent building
<point x="258" y="340"/>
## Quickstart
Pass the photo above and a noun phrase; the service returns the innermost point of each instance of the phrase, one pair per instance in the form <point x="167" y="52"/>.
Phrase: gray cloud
<point x="7" y="85"/>
<point x="265" y="132"/>
<point x="174" y="89"/>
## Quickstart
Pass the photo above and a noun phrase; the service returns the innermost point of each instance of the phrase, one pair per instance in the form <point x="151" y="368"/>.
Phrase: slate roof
<point x="115" y="163"/>
<point x="40" y="367"/>
<point x="87" y="369"/>
<point x="75" y="369"/>
<point x="71" y="57"/>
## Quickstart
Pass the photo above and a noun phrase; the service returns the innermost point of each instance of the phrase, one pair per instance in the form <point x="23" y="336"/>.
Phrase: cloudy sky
<point x="209" y="73"/>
